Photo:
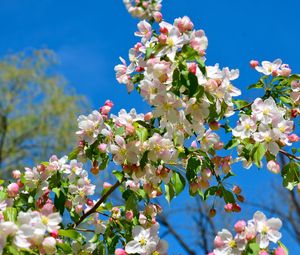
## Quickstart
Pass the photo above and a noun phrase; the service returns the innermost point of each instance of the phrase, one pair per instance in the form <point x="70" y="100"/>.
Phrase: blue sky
<point x="89" y="36"/>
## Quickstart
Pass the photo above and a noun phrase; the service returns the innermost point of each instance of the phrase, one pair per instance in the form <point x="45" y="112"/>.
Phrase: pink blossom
<point x="240" y="226"/>
<point x="120" y="252"/>
<point x="13" y="189"/>
<point x="280" y="251"/>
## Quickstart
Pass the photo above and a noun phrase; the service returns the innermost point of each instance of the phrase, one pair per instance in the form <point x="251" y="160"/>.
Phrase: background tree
<point x="38" y="110"/>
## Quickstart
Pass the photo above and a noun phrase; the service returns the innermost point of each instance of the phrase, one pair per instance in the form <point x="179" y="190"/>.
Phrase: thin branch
<point x="289" y="155"/>
<point x="185" y="246"/>
<point x="99" y="202"/>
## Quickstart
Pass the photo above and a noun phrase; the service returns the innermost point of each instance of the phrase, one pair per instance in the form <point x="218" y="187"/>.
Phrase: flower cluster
<point x="267" y="125"/>
<point x="34" y="230"/>
<point x="144" y="9"/>
<point x="256" y="235"/>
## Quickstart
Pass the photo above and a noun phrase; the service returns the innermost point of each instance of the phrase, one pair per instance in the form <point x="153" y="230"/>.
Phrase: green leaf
<point x="74" y="153"/>
<point x="258" y="153"/>
<point x="132" y="203"/>
<point x="210" y="192"/>
<point x="290" y="174"/>
<point x="179" y="182"/>
<point x="240" y="103"/>
<point x="170" y="191"/>
<point x="148" y="53"/>
<point x="10" y="214"/>
<point x="192" y="168"/>
<point x="56" y="191"/>
<point x="228" y="196"/>
<point x="231" y="144"/>
<point x="118" y="175"/>
<point x="142" y="134"/>
<point x="253" y="249"/>
<point x="258" y="85"/>
<point x="192" y="84"/>
<point x="70" y="233"/>
<point x="65" y="247"/>
<point x="286" y="100"/>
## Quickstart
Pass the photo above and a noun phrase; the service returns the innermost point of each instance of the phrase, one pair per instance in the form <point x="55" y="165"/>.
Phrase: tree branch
<point x="163" y="220"/>
<point x="99" y="202"/>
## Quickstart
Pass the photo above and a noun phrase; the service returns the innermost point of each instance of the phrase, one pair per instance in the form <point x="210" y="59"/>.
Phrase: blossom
<point x="245" y="128"/>
<point x="90" y="126"/>
<point x="145" y="30"/>
<point x="144" y="241"/>
<point x="267" y="229"/>
<point x="268" y="68"/>
<point x="229" y="245"/>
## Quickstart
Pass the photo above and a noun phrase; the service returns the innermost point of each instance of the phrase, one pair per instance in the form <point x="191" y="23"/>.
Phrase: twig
<point x="99" y="202"/>
<point x="289" y="155"/>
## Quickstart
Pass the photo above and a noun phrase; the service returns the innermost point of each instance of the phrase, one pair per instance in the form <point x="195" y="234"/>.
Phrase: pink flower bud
<point x="194" y="144"/>
<point x="16" y="174"/>
<point x="279" y="251"/>
<point x="120" y="252"/>
<point x="228" y="207"/>
<point x="218" y="145"/>
<point x="157" y="16"/>
<point x="214" y="125"/>
<point x="129" y="215"/>
<point x="218" y="242"/>
<point x="78" y="209"/>
<point x="263" y="253"/>
<point x="13" y="189"/>
<point x="273" y="166"/>
<point x="240" y="226"/>
<point x="102" y="147"/>
<point x="142" y="219"/>
<point x="89" y="202"/>
<point x="105" y="109"/>
<point x="106" y="185"/>
<point x="293" y="138"/>
<point x="236" y="208"/>
<point x="193" y="68"/>
<point x="285" y="72"/>
<point x="54" y="233"/>
<point x="130" y="129"/>
<point x="236" y="190"/>
<point x="109" y="103"/>
<point x="254" y="63"/>
<point x="148" y="116"/>
<point x="164" y="30"/>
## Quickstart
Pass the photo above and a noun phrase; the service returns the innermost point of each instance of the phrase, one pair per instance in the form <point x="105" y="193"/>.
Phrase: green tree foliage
<point x="38" y="109"/>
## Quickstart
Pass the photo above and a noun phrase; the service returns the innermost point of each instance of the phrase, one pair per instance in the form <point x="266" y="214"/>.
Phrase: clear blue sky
<point x="89" y="36"/>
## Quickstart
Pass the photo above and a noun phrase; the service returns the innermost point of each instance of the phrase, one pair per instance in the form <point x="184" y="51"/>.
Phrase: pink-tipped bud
<point x="279" y="251"/>
<point x="78" y="209"/>
<point x="218" y="145"/>
<point x="273" y="166"/>
<point x="157" y="16"/>
<point x="105" y="110"/>
<point x="228" y="207"/>
<point x="294" y="112"/>
<point x="120" y="252"/>
<point x="164" y="30"/>
<point x="254" y="63"/>
<point x="236" y="190"/>
<point x="194" y="144"/>
<point x="236" y="208"/>
<point x="148" y="116"/>
<point x="263" y="253"/>
<point x="162" y="39"/>
<point x="214" y="125"/>
<point x="130" y="129"/>
<point x="41" y="168"/>
<point x="89" y="202"/>
<point x="54" y="233"/>
<point x="102" y="147"/>
<point x="109" y="103"/>
<point x="129" y="215"/>
<point x="16" y="174"/>
<point x="193" y="68"/>
<point x="240" y="226"/>
<point x="212" y="212"/>
<point x="106" y="185"/>
<point x="12" y="189"/>
<point x="293" y="138"/>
